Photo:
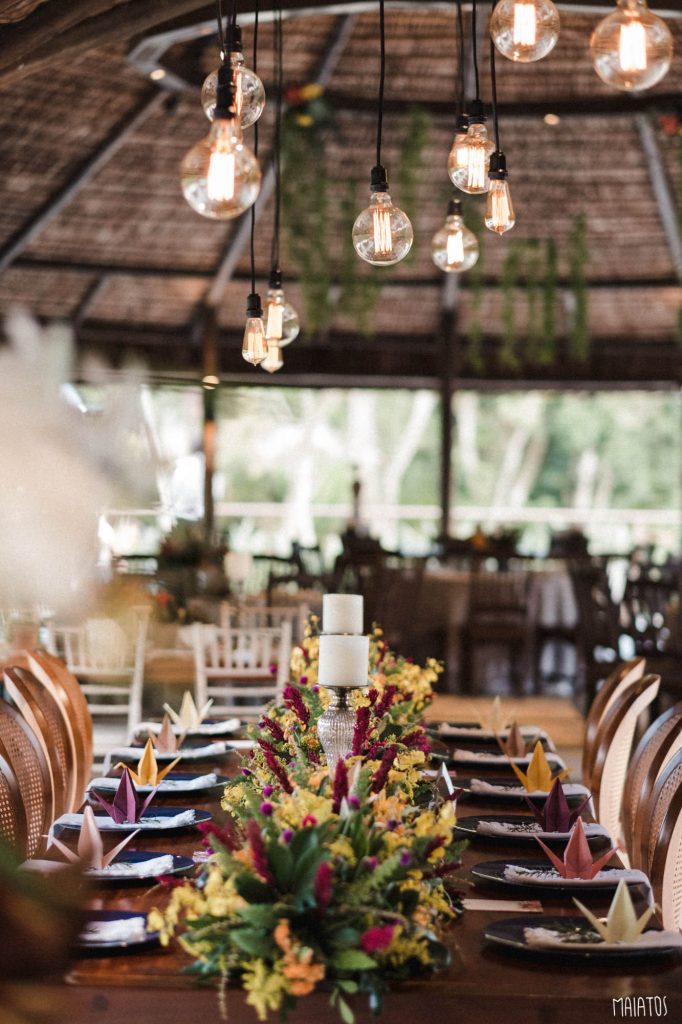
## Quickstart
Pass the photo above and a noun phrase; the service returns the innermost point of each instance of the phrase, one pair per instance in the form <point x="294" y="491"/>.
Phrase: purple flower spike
<point x="354" y="802"/>
<point x="246" y="772"/>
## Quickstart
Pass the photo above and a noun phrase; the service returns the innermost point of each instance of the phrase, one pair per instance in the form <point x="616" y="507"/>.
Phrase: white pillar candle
<point x="342" y="613"/>
<point x="238" y="566"/>
<point x="344" y="661"/>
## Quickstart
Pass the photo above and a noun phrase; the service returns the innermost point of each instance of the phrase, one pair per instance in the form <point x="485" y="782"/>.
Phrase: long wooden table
<point x="482" y="985"/>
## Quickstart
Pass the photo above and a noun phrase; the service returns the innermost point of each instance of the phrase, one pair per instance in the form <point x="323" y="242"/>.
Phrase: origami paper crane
<point x="127" y="804"/>
<point x="189" y="717"/>
<point x="148" y="773"/>
<point x="90" y="849"/>
<point x="622" y="923"/>
<point x="556" y="815"/>
<point x="166" y="741"/>
<point x="577" y="860"/>
<point x="514" y="745"/>
<point x="538" y="778"/>
<point x="496" y="719"/>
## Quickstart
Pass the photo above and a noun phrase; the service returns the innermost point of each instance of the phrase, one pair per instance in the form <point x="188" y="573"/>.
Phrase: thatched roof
<point x="94" y="229"/>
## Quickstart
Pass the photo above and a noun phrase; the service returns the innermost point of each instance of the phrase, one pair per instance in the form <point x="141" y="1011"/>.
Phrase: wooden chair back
<point x="614" y="751"/>
<point x="622" y="677"/>
<point x="43" y="714"/>
<point x="241" y="669"/>
<point x="663" y="842"/>
<point x="658" y="745"/>
<point x="65" y="688"/>
<point x="12" y="816"/>
<point x="22" y="749"/>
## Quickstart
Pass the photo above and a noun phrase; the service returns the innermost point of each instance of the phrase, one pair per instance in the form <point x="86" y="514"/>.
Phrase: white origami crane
<point x="189" y="716"/>
<point x="622" y="923"/>
<point x="90" y="849"/>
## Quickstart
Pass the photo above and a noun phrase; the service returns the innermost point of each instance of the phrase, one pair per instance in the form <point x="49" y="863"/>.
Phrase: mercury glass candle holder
<point x="335" y="727"/>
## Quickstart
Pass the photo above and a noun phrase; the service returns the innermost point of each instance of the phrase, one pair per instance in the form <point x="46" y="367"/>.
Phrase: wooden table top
<point x="482" y="984"/>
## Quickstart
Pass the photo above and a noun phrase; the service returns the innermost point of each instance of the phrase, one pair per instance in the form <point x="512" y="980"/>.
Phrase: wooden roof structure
<point x="94" y="229"/>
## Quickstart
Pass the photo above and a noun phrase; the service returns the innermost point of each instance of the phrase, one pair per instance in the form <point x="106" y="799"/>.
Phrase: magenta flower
<point x="287" y="835"/>
<point x="386" y="700"/>
<point x="309" y="819"/>
<point x="274" y="729"/>
<point x="322" y="886"/>
<point x="267" y="790"/>
<point x="381" y="775"/>
<point x="360" y="730"/>
<point x="294" y="701"/>
<point x="258" y="851"/>
<point x="266" y="808"/>
<point x="375" y="939"/>
<point x="340" y="790"/>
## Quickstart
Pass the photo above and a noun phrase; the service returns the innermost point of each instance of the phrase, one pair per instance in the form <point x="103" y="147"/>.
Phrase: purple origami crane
<point x="127" y="805"/>
<point x="556" y="815"/>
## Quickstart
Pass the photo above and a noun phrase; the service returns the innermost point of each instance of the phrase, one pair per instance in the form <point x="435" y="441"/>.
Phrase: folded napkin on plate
<point x="467" y="731"/>
<point x="190" y="754"/>
<point x="127" y="929"/>
<point x="167" y="786"/>
<point x="547" y="937"/>
<point x="542" y="876"/>
<point x="574" y="789"/>
<point x="205" y="729"/>
<point x="107" y="824"/>
<point x="139" y="869"/>
<point x="532" y="828"/>
<point x="241" y="744"/>
<point x="487" y="758"/>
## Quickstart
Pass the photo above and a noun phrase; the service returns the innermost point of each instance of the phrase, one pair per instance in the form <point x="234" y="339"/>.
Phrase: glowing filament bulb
<point x="381" y="225"/>
<point x="499" y="212"/>
<point x="221" y="173"/>
<point x="273" y="331"/>
<point x="474" y="152"/>
<point x="254" y="345"/>
<point x="476" y="165"/>
<point x="632" y="47"/>
<point x="524" y="24"/>
<point x="455" y="248"/>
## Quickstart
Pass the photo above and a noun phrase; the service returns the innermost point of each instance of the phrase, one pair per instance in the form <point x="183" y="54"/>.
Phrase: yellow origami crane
<point x="538" y="778"/>
<point x="148" y="773"/>
<point x="622" y="923"/>
<point x="189" y="716"/>
<point x="496" y="719"/>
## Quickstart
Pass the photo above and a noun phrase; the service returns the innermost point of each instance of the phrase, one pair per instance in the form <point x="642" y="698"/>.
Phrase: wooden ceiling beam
<point x="82" y="177"/>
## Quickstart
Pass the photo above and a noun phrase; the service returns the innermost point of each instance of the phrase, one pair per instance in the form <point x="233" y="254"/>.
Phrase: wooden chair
<point x="662" y="842"/>
<point x="21" y="748"/>
<point x="12" y="816"/>
<point x="391" y="595"/>
<point x="613" y="754"/>
<point x="234" y="667"/>
<point x="108" y="660"/>
<point x="623" y="676"/>
<point x="658" y="745"/>
<point x="498" y="614"/>
<point x="43" y="714"/>
<point x="598" y="627"/>
<point x="65" y="688"/>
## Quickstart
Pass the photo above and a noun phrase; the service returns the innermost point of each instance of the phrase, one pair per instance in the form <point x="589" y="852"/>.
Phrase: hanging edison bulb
<point x="457" y="155"/>
<point x="274" y="360"/>
<point x="454" y="247"/>
<point x="254" y="345"/>
<point x="249" y="92"/>
<point x="499" y="212"/>
<point x="282" y="325"/>
<point x="631" y="48"/>
<point x="472" y="174"/>
<point x="524" y="30"/>
<point x="382" y="234"/>
<point x="220" y="176"/>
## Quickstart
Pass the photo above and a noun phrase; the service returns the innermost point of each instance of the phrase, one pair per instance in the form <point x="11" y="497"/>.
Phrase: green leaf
<point x="347" y="1015"/>
<point x="347" y="986"/>
<point x="260" y="915"/>
<point x="255" y="943"/>
<point x="252" y="890"/>
<point x="353" y="960"/>
<point x="282" y="864"/>
<point x="346" y="937"/>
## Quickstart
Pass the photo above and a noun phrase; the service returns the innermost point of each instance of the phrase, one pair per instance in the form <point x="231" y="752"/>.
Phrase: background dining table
<point x="481" y="985"/>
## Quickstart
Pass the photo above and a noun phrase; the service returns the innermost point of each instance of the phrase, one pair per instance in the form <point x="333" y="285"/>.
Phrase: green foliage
<point x="510" y="275"/>
<point x="578" y="255"/>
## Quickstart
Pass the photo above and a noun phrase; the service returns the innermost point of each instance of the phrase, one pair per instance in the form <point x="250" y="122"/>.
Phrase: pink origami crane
<point x="556" y="815"/>
<point x="90" y="849"/>
<point x="514" y="745"/>
<point x="577" y="861"/>
<point x="166" y="742"/>
<point x="127" y="805"/>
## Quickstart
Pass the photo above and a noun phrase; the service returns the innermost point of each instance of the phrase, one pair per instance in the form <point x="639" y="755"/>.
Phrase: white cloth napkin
<point x="574" y="789"/>
<point x="241" y="744"/>
<point x="128" y="929"/>
<point x="467" y="731"/>
<point x="205" y="729"/>
<point x="512" y="828"/>
<point x="516" y="873"/>
<point x="547" y="937"/>
<point x="189" y="754"/>
<point x="107" y="824"/>
<point x="141" y="869"/>
<point x="487" y="758"/>
<point x="166" y="786"/>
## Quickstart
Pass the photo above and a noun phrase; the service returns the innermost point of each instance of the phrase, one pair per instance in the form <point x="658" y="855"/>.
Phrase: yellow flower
<point x="265" y="987"/>
<point x="294" y="807"/>
<point x="311" y="91"/>
<point x="343" y="848"/>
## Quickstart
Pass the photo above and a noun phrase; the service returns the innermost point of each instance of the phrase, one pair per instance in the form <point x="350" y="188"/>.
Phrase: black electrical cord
<point x="382" y="76"/>
<point x="461" y="99"/>
<point x="221" y="31"/>
<point x="474" y="48"/>
<point x="279" y="78"/>
<point x="493" y="90"/>
<point x="255" y="147"/>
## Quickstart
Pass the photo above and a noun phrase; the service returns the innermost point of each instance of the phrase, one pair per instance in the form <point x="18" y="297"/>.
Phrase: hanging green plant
<point x="549" y="292"/>
<point x="414" y="140"/>
<point x="579" y="335"/>
<point x="508" y="355"/>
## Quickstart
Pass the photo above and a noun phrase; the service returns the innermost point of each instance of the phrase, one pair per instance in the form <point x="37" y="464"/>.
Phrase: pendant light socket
<point x="498" y="166"/>
<point x="476" y="113"/>
<point x="254" y="308"/>
<point x="233" y="39"/>
<point x="378" y="180"/>
<point x="454" y="208"/>
<point x="275" y="280"/>
<point x="224" y="108"/>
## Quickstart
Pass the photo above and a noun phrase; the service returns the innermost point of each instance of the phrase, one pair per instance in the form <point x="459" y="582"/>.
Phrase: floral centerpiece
<point x="340" y="882"/>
